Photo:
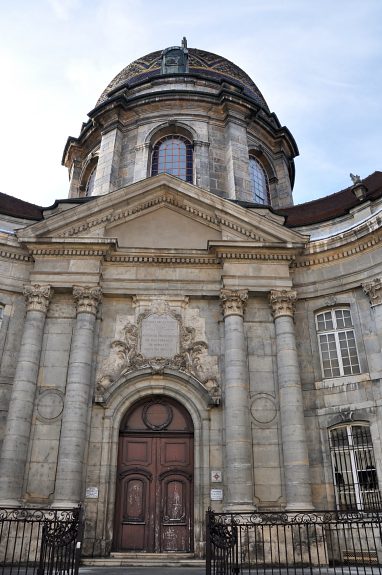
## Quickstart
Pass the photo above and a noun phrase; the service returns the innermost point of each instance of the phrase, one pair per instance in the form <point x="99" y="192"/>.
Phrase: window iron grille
<point x="354" y="469"/>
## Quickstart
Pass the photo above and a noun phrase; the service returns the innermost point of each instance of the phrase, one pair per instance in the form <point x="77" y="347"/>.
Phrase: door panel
<point x="155" y="479"/>
<point x="175" y="520"/>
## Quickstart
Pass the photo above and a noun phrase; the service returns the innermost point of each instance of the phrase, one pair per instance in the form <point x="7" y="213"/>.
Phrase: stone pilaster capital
<point x="37" y="297"/>
<point x="87" y="299"/>
<point x="373" y="289"/>
<point x="233" y="301"/>
<point x="282" y="302"/>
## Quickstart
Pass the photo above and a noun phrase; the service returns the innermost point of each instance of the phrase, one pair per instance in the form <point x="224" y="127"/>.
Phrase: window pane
<point x="169" y="156"/>
<point x="259" y="182"/>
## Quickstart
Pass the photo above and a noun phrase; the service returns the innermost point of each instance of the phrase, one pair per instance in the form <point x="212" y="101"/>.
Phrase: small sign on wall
<point x="91" y="493"/>
<point x="216" y="476"/>
<point x="216" y="495"/>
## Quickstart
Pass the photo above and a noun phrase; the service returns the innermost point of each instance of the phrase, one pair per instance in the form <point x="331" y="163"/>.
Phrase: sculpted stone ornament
<point x="125" y="356"/>
<point x="233" y="301"/>
<point x="373" y="289"/>
<point x="87" y="299"/>
<point x="38" y="297"/>
<point x="283" y="302"/>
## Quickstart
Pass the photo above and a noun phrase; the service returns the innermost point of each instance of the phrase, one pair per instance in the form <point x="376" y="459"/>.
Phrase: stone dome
<point x="200" y="62"/>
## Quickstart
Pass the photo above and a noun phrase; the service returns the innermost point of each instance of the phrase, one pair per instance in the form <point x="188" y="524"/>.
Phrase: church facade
<point x="176" y="335"/>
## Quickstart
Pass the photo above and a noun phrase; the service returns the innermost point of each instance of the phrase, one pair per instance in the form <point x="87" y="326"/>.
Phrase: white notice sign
<point x="159" y="336"/>
<point x="216" y="495"/>
<point x="91" y="493"/>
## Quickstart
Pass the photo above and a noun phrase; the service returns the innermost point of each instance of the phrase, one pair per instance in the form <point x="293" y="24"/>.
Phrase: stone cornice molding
<point x="213" y="219"/>
<point x="373" y="289"/>
<point x="181" y="259"/>
<point x="282" y="302"/>
<point x="87" y="299"/>
<point x="233" y="302"/>
<point x="15" y="256"/>
<point x="37" y="297"/>
<point x="318" y="253"/>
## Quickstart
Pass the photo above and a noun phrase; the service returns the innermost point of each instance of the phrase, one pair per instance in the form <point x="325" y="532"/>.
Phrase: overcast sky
<point x="318" y="64"/>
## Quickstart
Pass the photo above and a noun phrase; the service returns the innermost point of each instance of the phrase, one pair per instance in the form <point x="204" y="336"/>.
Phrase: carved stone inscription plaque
<point x="159" y="336"/>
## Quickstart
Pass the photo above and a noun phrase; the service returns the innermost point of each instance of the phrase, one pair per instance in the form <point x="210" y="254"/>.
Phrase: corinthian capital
<point x="233" y="301"/>
<point x="37" y="297"/>
<point x="374" y="290"/>
<point x="87" y="298"/>
<point x="282" y="302"/>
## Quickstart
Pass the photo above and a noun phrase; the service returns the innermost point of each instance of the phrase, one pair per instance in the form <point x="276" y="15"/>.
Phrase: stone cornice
<point x="282" y="302"/>
<point x="87" y="298"/>
<point x="344" y="251"/>
<point x="161" y="258"/>
<point x="373" y="289"/>
<point x="12" y="255"/>
<point x="169" y="199"/>
<point x="78" y="247"/>
<point x="233" y="302"/>
<point x="37" y="297"/>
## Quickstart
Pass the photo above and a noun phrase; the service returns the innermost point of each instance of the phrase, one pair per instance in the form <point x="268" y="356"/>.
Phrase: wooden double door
<point x="154" y="501"/>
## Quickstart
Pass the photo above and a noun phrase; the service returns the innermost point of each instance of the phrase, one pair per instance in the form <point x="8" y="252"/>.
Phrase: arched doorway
<point x="154" y="501"/>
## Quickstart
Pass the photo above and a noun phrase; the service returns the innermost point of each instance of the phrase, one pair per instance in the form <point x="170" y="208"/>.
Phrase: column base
<point x="239" y="508"/>
<point x="65" y="504"/>
<point x="10" y="503"/>
<point x="299" y="507"/>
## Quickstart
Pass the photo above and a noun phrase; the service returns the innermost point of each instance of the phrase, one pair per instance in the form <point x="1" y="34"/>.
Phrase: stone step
<point x="145" y="560"/>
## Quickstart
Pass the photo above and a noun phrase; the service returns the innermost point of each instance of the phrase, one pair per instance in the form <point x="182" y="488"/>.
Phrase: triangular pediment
<point x="161" y="212"/>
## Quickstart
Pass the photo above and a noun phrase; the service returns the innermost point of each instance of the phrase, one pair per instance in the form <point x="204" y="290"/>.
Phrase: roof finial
<point x="355" y="179"/>
<point x="184" y="42"/>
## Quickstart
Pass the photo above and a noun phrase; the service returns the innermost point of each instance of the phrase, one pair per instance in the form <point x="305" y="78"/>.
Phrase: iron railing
<point x="40" y="541"/>
<point x="294" y="543"/>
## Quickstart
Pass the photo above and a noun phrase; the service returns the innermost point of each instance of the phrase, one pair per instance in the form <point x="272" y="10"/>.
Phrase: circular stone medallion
<point x="50" y="404"/>
<point x="263" y="409"/>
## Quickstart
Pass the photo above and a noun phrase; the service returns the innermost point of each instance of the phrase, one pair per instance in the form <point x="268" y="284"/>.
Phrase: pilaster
<point x="238" y="440"/>
<point x="295" y="451"/>
<point x="74" y="430"/>
<point x="18" y="428"/>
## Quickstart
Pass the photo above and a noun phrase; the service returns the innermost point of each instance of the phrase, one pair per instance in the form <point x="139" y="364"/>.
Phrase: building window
<point x="354" y="472"/>
<point x="90" y="182"/>
<point x="338" y="349"/>
<point x="259" y="182"/>
<point x="173" y="155"/>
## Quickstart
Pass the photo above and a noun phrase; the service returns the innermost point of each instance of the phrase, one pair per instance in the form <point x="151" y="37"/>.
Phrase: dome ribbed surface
<point x="206" y="64"/>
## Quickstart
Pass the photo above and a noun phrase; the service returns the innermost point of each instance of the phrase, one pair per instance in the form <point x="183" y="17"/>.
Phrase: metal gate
<point x="40" y="541"/>
<point x="321" y="542"/>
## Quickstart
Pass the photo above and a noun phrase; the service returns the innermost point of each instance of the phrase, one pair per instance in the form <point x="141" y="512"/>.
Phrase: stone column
<point x="74" y="429"/>
<point x="373" y="290"/>
<point x="295" y="451"/>
<point x="238" y="440"/>
<point x="18" y="428"/>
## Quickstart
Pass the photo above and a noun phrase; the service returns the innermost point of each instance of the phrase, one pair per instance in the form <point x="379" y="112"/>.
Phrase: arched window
<point x="354" y="471"/>
<point x="337" y="344"/>
<point x="90" y="182"/>
<point x="259" y="182"/>
<point x="173" y="155"/>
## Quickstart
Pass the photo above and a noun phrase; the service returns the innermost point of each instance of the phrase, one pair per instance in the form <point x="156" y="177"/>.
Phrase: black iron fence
<point x="321" y="542"/>
<point x="40" y="541"/>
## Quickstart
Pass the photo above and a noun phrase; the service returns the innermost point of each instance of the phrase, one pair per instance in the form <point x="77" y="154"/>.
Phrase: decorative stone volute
<point x="373" y="289"/>
<point x="38" y="297"/>
<point x="233" y="301"/>
<point x="87" y="298"/>
<point x="282" y="302"/>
